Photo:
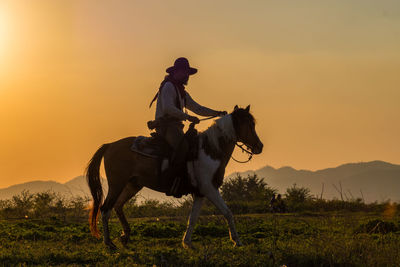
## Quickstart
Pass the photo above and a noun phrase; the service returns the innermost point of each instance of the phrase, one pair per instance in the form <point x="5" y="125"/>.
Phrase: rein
<point x="209" y="118"/>
<point x="236" y="143"/>
<point x="243" y="150"/>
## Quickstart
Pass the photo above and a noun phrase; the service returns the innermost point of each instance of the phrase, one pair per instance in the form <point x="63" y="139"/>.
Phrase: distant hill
<point x="75" y="187"/>
<point x="377" y="180"/>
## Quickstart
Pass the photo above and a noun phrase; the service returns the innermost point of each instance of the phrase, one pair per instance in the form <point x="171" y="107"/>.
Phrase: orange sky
<point x="322" y="77"/>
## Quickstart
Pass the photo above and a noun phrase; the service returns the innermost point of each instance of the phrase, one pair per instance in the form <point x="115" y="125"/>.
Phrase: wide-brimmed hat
<point x="182" y="63"/>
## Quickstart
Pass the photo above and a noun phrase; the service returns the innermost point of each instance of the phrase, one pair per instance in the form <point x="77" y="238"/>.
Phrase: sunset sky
<point x="322" y="77"/>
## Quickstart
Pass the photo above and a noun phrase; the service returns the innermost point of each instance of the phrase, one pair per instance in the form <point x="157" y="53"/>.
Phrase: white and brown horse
<point x="128" y="172"/>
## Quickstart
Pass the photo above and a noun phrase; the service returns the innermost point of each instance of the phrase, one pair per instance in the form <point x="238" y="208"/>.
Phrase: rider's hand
<point x="222" y="113"/>
<point x="193" y="119"/>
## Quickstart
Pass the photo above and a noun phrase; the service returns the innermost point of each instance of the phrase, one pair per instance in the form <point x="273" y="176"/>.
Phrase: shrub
<point x="251" y="188"/>
<point x="296" y="197"/>
<point x="44" y="205"/>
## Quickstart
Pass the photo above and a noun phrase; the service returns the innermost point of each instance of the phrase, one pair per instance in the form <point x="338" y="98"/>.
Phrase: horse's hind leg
<point x="129" y="191"/>
<point x="114" y="190"/>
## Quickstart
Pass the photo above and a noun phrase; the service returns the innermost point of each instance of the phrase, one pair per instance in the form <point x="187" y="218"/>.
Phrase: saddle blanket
<point x="154" y="146"/>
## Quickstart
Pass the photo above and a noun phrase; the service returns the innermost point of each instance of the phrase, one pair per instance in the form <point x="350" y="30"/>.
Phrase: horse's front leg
<point x="215" y="197"/>
<point x="194" y="215"/>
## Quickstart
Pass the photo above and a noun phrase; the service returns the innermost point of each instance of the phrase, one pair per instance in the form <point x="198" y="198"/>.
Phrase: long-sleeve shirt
<point x="166" y="104"/>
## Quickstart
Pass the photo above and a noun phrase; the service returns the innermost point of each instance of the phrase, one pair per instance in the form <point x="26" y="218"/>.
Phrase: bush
<point x="296" y="197"/>
<point x="251" y="188"/>
<point x="43" y="205"/>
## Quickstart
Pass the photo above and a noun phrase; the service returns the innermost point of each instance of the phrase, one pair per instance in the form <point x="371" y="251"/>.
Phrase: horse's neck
<point x="221" y="138"/>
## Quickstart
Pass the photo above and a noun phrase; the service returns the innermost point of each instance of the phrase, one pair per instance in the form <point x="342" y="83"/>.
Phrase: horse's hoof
<point x="187" y="245"/>
<point x="124" y="239"/>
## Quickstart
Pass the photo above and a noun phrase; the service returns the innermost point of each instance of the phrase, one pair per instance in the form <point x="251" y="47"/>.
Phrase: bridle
<point x="241" y="146"/>
<point x="243" y="150"/>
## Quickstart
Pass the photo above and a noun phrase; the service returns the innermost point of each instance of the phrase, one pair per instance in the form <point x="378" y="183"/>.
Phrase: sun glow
<point x="4" y="34"/>
<point x="3" y="28"/>
<point x="5" y="41"/>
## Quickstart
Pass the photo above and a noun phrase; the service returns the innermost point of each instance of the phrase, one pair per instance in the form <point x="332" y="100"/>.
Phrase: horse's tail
<point x="94" y="182"/>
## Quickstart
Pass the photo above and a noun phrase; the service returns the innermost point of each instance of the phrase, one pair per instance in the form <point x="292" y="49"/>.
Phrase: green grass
<point x="312" y="239"/>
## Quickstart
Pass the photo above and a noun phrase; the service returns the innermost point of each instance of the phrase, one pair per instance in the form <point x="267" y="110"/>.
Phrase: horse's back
<point x="118" y="152"/>
<point x="120" y="160"/>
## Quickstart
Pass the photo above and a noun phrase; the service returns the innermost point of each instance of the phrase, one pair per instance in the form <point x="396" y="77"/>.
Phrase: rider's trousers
<point x="174" y="135"/>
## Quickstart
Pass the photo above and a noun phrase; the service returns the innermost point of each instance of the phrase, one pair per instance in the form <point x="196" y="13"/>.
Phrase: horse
<point x="128" y="172"/>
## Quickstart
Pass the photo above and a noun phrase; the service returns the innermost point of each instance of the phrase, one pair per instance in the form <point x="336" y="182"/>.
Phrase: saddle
<point x="154" y="146"/>
<point x="157" y="147"/>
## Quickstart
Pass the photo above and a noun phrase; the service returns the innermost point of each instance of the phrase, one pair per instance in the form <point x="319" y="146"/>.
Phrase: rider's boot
<point x="173" y="176"/>
<point x="176" y="171"/>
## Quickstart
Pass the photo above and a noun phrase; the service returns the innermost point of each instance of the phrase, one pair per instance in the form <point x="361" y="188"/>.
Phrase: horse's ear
<point x="248" y="108"/>
<point x="236" y="107"/>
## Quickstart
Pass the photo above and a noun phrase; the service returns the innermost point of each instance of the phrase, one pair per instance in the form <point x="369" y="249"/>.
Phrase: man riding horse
<point x="129" y="171"/>
<point x="172" y="98"/>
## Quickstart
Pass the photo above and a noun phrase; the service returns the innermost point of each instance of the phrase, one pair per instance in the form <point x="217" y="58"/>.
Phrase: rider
<point x="172" y="98"/>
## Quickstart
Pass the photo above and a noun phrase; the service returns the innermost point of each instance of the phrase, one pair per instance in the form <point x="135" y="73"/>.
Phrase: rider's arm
<point x="168" y="98"/>
<point x="199" y="109"/>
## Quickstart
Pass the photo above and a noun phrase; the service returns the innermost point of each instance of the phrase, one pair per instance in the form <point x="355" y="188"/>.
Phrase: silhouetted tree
<point x="297" y="194"/>
<point x="251" y="188"/>
<point x="296" y="197"/>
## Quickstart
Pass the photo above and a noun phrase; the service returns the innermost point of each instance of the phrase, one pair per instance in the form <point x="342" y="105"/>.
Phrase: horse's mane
<point x="222" y="127"/>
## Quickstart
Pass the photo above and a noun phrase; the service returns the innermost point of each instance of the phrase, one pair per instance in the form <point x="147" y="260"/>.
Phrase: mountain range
<point x="371" y="181"/>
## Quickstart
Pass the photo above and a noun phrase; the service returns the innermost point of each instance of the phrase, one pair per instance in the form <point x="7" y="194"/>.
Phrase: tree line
<point x="243" y="195"/>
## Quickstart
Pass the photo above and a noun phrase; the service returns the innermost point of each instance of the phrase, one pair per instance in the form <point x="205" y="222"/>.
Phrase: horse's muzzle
<point x="257" y="149"/>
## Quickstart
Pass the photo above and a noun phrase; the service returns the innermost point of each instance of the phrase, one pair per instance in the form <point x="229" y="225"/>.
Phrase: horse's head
<point x="245" y="129"/>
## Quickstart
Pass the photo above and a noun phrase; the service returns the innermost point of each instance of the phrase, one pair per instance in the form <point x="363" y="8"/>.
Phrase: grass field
<point x="312" y="239"/>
